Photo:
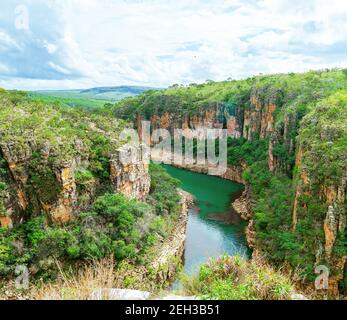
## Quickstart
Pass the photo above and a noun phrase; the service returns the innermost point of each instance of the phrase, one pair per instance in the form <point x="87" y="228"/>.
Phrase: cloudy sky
<point x="48" y="44"/>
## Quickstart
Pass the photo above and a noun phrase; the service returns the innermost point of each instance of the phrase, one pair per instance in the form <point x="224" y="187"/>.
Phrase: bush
<point x="163" y="191"/>
<point x="232" y="278"/>
<point x="83" y="179"/>
<point x="3" y="186"/>
<point x="247" y="151"/>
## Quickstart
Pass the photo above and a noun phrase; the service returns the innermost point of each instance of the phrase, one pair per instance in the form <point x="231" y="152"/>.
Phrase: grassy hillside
<point x="89" y="98"/>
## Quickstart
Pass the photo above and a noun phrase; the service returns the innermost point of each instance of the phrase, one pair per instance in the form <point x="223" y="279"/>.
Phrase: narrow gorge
<point x="287" y="145"/>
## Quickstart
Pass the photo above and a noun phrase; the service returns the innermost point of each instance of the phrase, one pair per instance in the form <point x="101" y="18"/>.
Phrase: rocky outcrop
<point x="131" y="178"/>
<point x="259" y="118"/>
<point x="235" y="173"/>
<point x="272" y="161"/>
<point x="335" y="223"/>
<point x="215" y="115"/>
<point x="128" y="294"/>
<point x="63" y="200"/>
<point x="172" y="249"/>
<point x="243" y="206"/>
<point x="332" y="197"/>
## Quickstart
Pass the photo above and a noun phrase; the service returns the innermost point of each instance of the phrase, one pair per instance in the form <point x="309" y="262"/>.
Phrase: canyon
<point x="286" y="145"/>
<point x="294" y="138"/>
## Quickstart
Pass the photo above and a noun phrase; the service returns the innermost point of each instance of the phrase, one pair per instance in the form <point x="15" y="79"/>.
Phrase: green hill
<point x="89" y="98"/>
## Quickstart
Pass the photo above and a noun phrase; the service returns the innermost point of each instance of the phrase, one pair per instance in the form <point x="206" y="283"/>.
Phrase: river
<point x="213" y="227"/>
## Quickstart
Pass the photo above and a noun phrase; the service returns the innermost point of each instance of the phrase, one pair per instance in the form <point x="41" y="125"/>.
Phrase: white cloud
<point x="6" y="41"/>
<point x="58" y="68"/>
<point x="160" y="42"/>
<point x="50" y="47"/>
<point x="4" y="68"/>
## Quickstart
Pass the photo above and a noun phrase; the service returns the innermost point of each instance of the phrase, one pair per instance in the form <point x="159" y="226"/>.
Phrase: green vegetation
<point x="92" y="99"/>
<point x="293" y="91"/>
<point x="163" y="190"/>
<point x="323" y="137"/>
<point x="43" y="143"/>
<point x="52" y="127"/>
<point x="248" y="151"/>
<point x="233" y="278"/>
<point x="89" y="104"/>
<point x="114" y="225"/>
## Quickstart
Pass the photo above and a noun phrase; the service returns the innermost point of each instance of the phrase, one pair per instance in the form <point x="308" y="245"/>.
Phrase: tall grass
<point x="81" y="285"/>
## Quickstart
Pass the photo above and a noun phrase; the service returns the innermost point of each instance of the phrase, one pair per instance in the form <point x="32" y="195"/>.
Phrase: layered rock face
<point x="131" y="179"/>
<point x="332" y="198"/>
<point x="216" y="115"/>
<point x="257" y="119"/>
<point x="244" y="207"/>
<point x="253" y="121"/>
<point x="173" y="247"/>
<point x="64" y="200"/>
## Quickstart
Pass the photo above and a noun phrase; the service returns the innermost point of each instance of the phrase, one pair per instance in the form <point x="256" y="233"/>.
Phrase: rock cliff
<point x="64" y="199"/>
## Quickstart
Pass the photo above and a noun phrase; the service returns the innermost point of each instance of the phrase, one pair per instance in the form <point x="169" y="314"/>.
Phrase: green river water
<point x="213" y="227"/>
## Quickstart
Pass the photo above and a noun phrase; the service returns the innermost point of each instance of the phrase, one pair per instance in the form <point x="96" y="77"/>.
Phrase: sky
<point x="69" y="44"/>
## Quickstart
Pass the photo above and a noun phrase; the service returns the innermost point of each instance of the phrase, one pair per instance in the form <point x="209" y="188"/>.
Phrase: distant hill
<point x="120" y="89"/>
<point x="90" y="98"/>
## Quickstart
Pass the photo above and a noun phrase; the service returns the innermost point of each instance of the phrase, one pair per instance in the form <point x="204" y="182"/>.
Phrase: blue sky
<point x="65" y="44"/>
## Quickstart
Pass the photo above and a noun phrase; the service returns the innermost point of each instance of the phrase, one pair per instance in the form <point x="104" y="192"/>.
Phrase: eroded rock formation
<point x="63" y="200"/>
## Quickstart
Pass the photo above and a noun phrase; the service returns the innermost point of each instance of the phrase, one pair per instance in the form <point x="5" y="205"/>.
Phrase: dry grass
<point x="80" y="285"/>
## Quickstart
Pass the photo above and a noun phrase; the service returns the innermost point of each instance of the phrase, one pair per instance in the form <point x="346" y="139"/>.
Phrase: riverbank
<point x="169" y="254"/>
<point x="243" y="206"/>
<point x="232" y="173"/>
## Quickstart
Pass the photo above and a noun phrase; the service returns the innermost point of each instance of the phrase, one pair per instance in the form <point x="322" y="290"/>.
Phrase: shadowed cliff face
<point x="321" y="185"/>
<point x="64" y="199"/>
<point x="255" y="121"/>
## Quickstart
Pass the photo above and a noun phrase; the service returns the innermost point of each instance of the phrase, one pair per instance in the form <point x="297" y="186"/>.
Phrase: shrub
<point x="232" y="278"/>
<point x="83" y="178"/>
<point x="163" y="193"/>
